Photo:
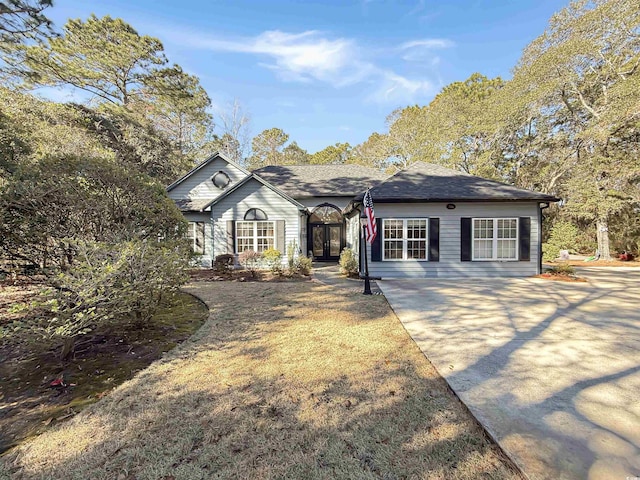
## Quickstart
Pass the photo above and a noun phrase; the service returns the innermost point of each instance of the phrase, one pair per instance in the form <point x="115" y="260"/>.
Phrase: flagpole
<point x="367" y="281"/>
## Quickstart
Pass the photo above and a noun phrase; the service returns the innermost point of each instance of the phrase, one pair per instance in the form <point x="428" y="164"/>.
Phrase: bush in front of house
<point x="106" y="284"/>
<point x="223" y="263"/>
<point x="272" y="259"/>
<point x="250" y="260"/>
<point x="292" y="250"/>
<point x="302" y="265"/>
<point x="563" y="237"/>
<point x="348" y="263"/>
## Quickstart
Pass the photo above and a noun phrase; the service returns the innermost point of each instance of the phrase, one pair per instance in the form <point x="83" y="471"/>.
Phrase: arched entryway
<point x="326" y="233"/>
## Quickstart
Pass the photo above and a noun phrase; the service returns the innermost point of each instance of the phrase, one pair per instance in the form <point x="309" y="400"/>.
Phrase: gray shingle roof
<point x="426" y="182"/>
<point x="300" y="181"/>
<point x="191" y="205"/>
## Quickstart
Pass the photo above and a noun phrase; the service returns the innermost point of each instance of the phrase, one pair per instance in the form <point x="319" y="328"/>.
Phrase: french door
<point x="326" y="241"/>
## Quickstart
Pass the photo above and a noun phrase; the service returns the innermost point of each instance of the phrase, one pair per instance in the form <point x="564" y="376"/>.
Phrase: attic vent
<point x="221" y="179"/>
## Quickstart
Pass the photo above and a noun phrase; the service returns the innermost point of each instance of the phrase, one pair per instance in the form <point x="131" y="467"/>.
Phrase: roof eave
<point x="457" y="199"/>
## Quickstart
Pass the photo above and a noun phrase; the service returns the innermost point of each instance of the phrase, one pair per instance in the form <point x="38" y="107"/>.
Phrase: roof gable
<point x="204" y="165"/>
<point x="246" y="180"/>
<point x="197" y="187"/>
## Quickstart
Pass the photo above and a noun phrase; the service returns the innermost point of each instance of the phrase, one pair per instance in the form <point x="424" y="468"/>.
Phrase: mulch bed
<point x="561" y="278"/>
<point x="597" y="263"/>
<point x="210" y="275"/>
<point x="38" y="390"/>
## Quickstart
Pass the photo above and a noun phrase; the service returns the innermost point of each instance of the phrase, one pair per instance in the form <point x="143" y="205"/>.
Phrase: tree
<point x="68" y="176"/>
<point x="333" y="154"/>
<point x="407" y="139"/>
<point x="293" y="154"/>
<point x="584" y="72"/>
<point x="105" y="57"/>
<point x="374" y="152"/>
<point x="22" y="20"/>
<point x="234" y="123"/>
<point x="177" y="105"/>
<point x="267" y="148"/>
<point x="460" y="125"/>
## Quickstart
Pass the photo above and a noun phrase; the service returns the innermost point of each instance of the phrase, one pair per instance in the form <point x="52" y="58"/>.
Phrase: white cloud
<point x="422" y="50"/>
<point x="430" y="43"/>
<point x="295" y="57"/>
<point x="397" y="89"/>
<point x="313" y="56"/>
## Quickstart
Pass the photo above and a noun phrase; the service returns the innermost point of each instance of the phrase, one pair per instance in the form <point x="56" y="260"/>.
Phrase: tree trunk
<point x="67" y="347"/>
<point x="602" y="226"/>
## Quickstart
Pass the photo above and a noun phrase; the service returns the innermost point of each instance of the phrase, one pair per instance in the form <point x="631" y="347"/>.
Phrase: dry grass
<point x="284" y="381"/>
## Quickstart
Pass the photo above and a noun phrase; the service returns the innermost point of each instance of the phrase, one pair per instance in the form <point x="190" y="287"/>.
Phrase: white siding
<point x="450" y="264"/>
<point x="206" y="259"/>
<point x="353" y="233"/>
<point x="254" y="195"/>
<point x="199" y="185"/>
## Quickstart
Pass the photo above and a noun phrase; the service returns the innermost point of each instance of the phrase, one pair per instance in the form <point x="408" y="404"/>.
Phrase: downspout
<point x="541" y="207"/>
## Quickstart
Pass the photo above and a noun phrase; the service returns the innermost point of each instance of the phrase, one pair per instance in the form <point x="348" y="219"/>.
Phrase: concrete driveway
<point x="551" y="369"/>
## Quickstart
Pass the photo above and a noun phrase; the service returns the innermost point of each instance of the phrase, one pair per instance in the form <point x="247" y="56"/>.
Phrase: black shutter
<point x="376" y="246"/>
<point x="231" y="236"/>
<point x="465" y="239"/>
<point x="434" y="239"/>
<point x="524" y="234"/>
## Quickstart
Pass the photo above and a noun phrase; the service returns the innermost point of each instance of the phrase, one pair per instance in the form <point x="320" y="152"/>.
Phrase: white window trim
<point x="404" y="241"/>
<point x="193" y="227"/>
<point x="494" y="240"/>
<point x="255" y="236"/>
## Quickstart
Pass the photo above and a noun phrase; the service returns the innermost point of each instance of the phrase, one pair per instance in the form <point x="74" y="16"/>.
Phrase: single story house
<point x="431" y="221"/>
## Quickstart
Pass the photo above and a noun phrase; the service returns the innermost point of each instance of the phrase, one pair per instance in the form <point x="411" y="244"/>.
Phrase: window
<point x="256" y="236"/>
<point x="404" y="239"/>
<point x="495" y="239"/>
<point x="255" y="214"/>
<point x="195" y="234"/>
<point x="221" y="180"/>
<point x="326" y="213"/>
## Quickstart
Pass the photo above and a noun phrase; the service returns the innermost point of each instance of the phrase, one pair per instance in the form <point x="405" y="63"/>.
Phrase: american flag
<point x="372" y="231"/>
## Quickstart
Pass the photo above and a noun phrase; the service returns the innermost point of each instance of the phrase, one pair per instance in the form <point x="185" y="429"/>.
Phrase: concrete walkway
<point x="329" y="274"/>
<point x="551" y="369"/>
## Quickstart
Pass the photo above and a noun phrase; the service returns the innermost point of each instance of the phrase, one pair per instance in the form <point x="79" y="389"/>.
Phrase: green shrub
<point x="272" y="258"/>
<point x="292" y="249"/>
<point x="106" y="283"/>
<point x="348" y="263"/>
<point x="563" y="237"/>
<point x="303" y="265"/>
<point x="223" y="263"/>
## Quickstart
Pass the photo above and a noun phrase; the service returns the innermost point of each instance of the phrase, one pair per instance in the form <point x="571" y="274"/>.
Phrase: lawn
<point x="285" y="380"/>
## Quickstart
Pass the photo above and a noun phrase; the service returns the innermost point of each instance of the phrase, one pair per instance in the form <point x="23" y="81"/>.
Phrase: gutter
<point x="541" y="207"/>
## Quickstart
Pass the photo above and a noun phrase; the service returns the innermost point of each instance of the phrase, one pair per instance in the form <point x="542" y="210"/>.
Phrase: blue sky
<point x="329" y="71"/>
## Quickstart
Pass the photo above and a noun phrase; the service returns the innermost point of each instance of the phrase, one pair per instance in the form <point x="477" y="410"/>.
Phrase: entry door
<point x="327" y="241"/>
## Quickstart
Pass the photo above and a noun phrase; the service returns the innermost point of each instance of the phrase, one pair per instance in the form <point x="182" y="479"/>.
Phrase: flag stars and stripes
<point x="372" y="230"/>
